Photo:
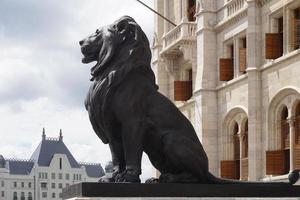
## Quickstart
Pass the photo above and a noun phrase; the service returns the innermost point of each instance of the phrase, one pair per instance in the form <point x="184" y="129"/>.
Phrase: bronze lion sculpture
<point x="128" y="113"/>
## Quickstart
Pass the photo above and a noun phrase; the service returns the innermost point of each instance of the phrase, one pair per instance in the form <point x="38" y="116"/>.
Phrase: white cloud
<point x="43" y="83"/>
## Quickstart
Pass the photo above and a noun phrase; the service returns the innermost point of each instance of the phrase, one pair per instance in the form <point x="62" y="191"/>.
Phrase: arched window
<point x="15" y="197"/>
<point x="29" y="196"/>
<point x="231" y="168"/>
<point x="278" y="161"/>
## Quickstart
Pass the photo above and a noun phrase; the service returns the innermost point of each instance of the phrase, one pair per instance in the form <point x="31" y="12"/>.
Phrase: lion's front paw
<point x="105" y="179"/>
<point x="129" y="176"/>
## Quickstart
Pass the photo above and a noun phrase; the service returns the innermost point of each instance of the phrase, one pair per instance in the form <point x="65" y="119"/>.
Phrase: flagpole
<point x="157" y="13"/>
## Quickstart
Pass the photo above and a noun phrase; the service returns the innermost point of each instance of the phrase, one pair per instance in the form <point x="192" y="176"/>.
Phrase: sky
<point x="42" y="80"/>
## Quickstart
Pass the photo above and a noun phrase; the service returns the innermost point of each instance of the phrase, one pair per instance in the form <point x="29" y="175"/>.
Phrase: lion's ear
<point x="127" y="30"/>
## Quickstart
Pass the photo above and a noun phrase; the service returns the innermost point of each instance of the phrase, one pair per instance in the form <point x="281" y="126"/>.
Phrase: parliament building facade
<point x="51" y="168"/>
<point x="232" y="67"/>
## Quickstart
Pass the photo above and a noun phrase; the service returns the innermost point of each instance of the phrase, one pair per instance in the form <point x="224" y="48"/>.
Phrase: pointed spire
<point x="60" y="135"/>
<point x="44" y="134"/>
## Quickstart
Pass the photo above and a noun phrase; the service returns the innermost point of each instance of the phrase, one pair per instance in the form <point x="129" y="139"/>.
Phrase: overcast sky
<point x="42" y="80"/>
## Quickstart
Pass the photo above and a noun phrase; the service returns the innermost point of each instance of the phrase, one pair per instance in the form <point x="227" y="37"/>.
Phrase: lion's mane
<point x="127" y="51"/>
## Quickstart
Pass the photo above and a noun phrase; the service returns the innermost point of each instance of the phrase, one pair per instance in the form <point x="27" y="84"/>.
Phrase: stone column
<point x="184" y="11"/>
<point x="285" y="30"/>
<point x="205" y="95"/>
<point x="241" y="135"/>
<point x="292" y="142"/>
<point x="236" y="56"/>
<point x="254" y="52"/>
<point x="166" y="24"/>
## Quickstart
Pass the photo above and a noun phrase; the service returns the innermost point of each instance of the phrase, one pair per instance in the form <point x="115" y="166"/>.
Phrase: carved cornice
<point x="263" y="2"/>
<point x="231" y="20"/>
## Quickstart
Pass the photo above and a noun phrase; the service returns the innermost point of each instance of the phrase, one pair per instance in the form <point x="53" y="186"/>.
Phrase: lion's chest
<point x="96" y="104"/>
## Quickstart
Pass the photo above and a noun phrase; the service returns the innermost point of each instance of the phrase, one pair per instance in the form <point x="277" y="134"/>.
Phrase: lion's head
<point x="121" y="45"/>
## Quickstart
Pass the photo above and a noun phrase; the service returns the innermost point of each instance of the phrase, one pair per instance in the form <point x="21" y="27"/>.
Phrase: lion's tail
<point x="293" y="178"/>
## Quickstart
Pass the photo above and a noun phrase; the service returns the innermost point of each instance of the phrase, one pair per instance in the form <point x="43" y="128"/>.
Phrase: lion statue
<point x="128" y="113"/>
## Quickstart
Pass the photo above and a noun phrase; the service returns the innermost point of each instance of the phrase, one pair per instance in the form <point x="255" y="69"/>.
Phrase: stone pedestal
<point x="108" y="191"/>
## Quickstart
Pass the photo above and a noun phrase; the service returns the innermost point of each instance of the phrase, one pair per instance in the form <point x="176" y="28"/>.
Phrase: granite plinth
<point x="179" y="190"/>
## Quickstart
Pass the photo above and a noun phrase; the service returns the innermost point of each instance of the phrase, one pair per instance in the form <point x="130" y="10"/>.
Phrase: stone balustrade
<point x="184" y="31"/>
<point x="234" y="6"/>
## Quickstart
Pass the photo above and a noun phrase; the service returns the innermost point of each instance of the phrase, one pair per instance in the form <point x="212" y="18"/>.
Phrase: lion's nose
<point x="81" y="42"/>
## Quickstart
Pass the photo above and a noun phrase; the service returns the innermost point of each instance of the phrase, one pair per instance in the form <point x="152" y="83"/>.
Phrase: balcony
<point x="233" y="6"/>
<point x="181" y="34"/>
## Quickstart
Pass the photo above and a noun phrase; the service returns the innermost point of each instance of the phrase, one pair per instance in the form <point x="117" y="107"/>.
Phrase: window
<point x="67" y="184"/>
<point x="60" y="163"/>
<point x="52" y="175"/>
<point x="79" y="176"/>
<point x="191" y="10"/>
<point x="52" y="185"/>
<point x="60" y="176"/>
<point x="44" y="194"/>
<point x="183" y="90"/>
<point x="297" y="28"/>
<point x="243" y="55"/>
<point x="227" y="64"/>
<point x="274" y="41"/>
<point x="53" y="195"/>
<point x="29" y="196"/>
<point x="231" y="168"/>
<point x="29" y="185"/>
<point x="74" y="176"/>
<point x="40" y="175"/>
<point x="44" y="185"/>
<point x="277" y="161"/>
<point x="60" y="185"/>
<point x="22" y="184"/>
<point x="15" y="197"/>
<point x="67" y="176"/>
<point x="2" y="193"/>
<point x="15" y="184"/>
<point x="60" y="195"/>
<point x="2" y="183"/>
<point x="22" y="196"/>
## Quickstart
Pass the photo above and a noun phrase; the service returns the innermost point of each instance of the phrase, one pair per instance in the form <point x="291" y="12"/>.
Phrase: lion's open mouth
<point x="88" y="56"/>
<point x="88" y="59"/>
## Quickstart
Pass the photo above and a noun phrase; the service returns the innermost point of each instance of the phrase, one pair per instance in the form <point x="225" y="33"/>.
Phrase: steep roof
<point x="46" y="150"/>
<point x="20" y="167"/>
<point x="93" y="170"/>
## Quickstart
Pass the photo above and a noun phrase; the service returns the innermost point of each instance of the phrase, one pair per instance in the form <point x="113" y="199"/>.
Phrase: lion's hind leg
<point x="185" y="160"/>
<point x="178" y="178"/>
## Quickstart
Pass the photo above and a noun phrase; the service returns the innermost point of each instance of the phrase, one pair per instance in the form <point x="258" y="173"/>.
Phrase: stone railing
<point x="185" y="30"/>
<point x="234" y="6"/>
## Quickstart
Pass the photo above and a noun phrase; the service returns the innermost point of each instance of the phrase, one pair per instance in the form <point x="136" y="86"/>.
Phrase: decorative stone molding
<point x="234" y="6"/>
<point x="186" y="31"/>
<point x="263" y="2"/>
<point x="231" y="20"/>
<point x="170" y="61"/>
<point x="189" y="50"/>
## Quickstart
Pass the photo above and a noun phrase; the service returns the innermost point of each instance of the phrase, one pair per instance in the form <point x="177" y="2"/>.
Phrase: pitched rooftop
<point x="43" y="155"/>
<point x="93" y="170"/>
<point x="19" y="167"/>
<point x="50" y="146"/>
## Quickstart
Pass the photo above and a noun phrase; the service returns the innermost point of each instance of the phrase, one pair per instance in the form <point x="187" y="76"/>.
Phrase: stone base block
<point x="97" y="191"/>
